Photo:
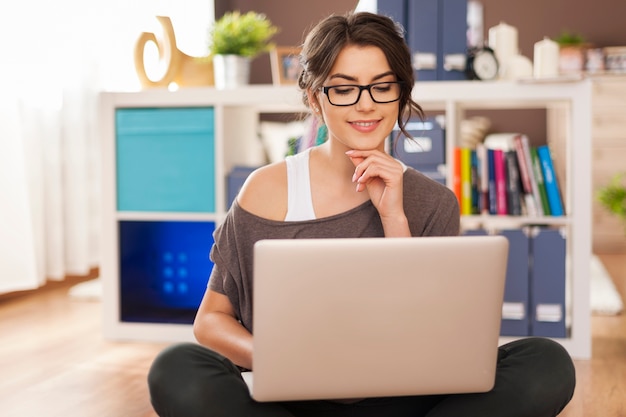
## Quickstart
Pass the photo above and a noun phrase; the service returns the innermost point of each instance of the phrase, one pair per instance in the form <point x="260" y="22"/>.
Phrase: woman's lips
<point x="365" y="126"/>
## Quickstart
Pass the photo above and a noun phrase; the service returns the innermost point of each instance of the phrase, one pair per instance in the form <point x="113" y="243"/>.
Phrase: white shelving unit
<point x="236" y="119"/>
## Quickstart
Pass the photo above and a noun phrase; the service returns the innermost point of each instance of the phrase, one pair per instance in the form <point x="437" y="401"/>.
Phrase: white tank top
<point x="299" y="202"/>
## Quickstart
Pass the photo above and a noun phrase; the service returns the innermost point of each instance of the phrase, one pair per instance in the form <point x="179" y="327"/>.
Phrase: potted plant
<point x="235" y="39"/>
<point x="613" y="197"/>
<point x="572" y="51"/>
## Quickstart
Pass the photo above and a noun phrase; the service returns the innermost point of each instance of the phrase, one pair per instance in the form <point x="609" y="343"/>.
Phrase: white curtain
<point x="55" y="57"/>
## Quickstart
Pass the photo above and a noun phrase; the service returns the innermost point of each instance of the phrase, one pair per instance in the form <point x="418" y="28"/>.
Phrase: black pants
<point x="535" y="378"/>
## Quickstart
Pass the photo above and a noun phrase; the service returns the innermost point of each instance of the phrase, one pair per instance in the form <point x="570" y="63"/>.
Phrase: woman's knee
<point x="556" y="358"/>
<point x="178" y="372"/>
<point x="544" y="368"/>
<point x="543" y="353"/>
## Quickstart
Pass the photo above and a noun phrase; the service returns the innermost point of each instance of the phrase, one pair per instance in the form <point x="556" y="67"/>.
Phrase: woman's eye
<point x="344" y="90"/>
<point x="383" y="88"/>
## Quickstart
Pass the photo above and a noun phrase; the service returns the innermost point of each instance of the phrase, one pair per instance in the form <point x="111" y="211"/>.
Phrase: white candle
<point x="503" y="40"/>
<point x="546" y="59"/>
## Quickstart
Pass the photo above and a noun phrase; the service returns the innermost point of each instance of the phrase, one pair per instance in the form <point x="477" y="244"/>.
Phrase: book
<point x="500" y="177"/>
<point x="541" y="188"/>
<point x="475" y="181"/>
<point x="466" y="187"/>
<point x="553" y="191"/>
<point x="493" y="203"/>
<point x="483" y="178"/>
<point x="526" y="175"/>
<point x="514" y="191"/>
<point x="456" y="173"/>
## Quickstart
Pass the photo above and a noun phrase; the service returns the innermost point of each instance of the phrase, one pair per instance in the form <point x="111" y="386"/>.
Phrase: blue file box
<point x="236" y="178"/>
<point x="396" y="9"/>
<point x="547" y="283"/>
<point x="515" y="317"/>
<point x="437" y="30"/>
<point x="425" y="151"/>
<point x="515" y="309"/>
<point x="453" y="37"/>
<point x="423" y="37"/>
<point x="164" y="269"/>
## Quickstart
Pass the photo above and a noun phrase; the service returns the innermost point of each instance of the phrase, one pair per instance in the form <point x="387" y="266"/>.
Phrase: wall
<point x="600" y="21"/>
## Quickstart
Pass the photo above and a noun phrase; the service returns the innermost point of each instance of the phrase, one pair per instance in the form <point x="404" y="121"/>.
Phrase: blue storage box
<point x="165" y="159"/>
<point x="164" y="269"/>
<point x="426" y="150"/>
<point x="236" y="178"/>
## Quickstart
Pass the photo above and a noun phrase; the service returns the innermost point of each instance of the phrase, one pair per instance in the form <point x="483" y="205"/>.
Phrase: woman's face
<point x="366" y="124"/>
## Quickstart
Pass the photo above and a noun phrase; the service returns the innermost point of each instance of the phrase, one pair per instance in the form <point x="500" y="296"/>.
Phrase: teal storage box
<point x="165" y="159"/>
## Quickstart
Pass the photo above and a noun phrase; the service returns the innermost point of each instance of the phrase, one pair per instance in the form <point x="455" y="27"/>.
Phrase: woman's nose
<point x="365" y="102"/>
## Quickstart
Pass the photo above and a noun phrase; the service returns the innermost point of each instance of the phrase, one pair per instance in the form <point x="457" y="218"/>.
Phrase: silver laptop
<point x="372" y="317"/>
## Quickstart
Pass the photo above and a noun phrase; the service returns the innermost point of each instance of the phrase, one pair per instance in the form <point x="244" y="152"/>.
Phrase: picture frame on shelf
<point x="286" y="67"/>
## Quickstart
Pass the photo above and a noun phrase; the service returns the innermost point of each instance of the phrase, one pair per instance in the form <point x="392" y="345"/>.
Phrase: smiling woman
<point x="357" y="77"/>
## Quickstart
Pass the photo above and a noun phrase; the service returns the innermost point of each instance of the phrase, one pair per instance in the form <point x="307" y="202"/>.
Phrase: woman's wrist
<point x="396" y="226"/>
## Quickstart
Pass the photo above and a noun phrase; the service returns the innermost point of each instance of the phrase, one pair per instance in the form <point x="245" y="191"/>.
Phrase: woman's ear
<point x="313" y="102"/>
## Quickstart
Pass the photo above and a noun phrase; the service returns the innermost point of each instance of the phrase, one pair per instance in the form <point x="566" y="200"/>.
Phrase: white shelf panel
<point x="502" y="222"/>
<point x="167" y="216"/>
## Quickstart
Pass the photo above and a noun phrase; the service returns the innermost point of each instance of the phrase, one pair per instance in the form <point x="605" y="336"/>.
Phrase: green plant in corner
<point x="613" y="197"/>
<point x="246" y="34"/>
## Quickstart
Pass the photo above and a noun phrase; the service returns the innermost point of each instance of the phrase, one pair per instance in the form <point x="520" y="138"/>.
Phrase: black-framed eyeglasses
<point x="349" y="94"/>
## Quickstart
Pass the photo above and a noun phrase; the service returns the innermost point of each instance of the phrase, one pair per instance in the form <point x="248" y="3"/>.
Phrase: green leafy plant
<point x="246" y="34"/>
<point x="613" y="197"/>
<point x="567" y="38"/>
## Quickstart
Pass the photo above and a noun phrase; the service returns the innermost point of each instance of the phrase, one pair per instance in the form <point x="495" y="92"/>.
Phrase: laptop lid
<point x="372" y="317"/>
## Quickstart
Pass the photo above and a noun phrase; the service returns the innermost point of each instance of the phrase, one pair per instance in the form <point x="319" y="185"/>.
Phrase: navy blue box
<point x="396" y="9"/>
<point x="236" y="178"/>
<point x="437" y="36"/>
<point x="426" y="151"/>
<point x="547" y="283"/>
<point x="515" y="308"/>
<point x="164" y="269"/>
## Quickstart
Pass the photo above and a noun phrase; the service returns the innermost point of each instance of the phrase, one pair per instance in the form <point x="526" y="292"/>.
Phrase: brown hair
<point x="324" y="42"/>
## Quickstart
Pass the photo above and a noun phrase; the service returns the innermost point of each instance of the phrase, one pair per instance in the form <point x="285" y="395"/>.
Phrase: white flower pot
<point x="231" y="71"/>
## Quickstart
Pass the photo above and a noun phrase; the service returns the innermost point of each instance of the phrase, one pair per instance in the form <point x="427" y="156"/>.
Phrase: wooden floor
<point x="54" y="361"/>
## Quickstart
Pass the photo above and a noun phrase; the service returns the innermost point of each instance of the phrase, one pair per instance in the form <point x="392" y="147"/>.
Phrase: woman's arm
<point x="382" y="177"/>
<point x="216" y="327"/>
